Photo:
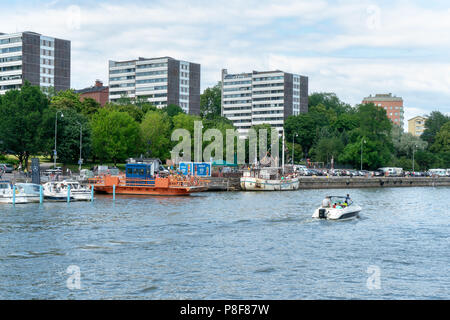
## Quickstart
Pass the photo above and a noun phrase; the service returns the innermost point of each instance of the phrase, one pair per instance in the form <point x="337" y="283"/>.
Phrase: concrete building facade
<point x="28" y="56"/>
<point x="416" y="125"/>
<point x="160" y="81"/>
<point x="267" y="97"/>
<point x="392" y="104"/>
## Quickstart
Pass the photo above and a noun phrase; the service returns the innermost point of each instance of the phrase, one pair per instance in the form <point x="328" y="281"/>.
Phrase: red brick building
<point x="392" y="104"/>
<point x="98" y="92"/>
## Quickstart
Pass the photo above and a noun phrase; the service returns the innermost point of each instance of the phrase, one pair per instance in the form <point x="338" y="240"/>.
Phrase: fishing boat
<point x="22" y="193"/>
<point x="264" y="176"/>
<point x="143" y="179"/>
<point x="268" y="179"/>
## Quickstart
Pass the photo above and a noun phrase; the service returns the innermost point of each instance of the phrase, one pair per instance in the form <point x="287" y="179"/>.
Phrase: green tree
<point x="433" y="125"/>
<point x="67" y="99"/>
<point x="306" y="126"/>
<point x="155" y="132"/>
<point x="68" y="137"/>
<point x="172" y="110"/>
<point x="22" y="130"/>
<point x="90" y="107"/>
<point x="211" y="102"/>
<point x="115" y="135"/>
<point x="442" y="140"/>
<point x="134" y="111"/>
<point x="330" y="101"/>
<point x="328" y="148"/>
<point x="405" y="143"/>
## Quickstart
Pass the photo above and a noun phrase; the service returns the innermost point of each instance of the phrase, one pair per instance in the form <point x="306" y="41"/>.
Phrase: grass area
<point x="43" y="159"/>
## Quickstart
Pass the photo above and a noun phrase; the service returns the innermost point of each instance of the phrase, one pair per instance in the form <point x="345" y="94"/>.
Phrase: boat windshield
<point x="29" y="188"/>
<point x="339" y="201"/>
<point x="5" y="185"/>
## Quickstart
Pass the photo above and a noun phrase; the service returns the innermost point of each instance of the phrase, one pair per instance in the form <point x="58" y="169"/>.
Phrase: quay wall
<point x="233" y="184"/>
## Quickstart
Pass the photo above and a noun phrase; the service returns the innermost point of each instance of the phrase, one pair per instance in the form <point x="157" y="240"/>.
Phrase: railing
<point x="171" y="181"/>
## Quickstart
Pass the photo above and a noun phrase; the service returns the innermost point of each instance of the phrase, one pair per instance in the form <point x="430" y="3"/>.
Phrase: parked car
<point x="7" y="168"/>
<point x="378" y="173"/>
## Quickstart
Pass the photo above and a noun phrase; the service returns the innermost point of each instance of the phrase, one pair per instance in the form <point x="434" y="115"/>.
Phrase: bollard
<point x="92" y="193"/>
<point x="41" y="194"/>
<point x="114" y="192"/>
<point x="68" y="193"/>
<point x="14" y="195"/>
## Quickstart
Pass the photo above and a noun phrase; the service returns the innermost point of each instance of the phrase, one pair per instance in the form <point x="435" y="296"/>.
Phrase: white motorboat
<point x="339" y="208"/>
<point x="77" y="191"/>
<point x="268" y="179"/>
<point x="24" y="193"/>
<point x="54" y="191"/>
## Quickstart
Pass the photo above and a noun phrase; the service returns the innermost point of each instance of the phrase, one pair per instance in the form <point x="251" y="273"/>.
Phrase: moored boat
<point x="23" y="193"/>
<point x="141" y="179"/>
<point x="77" y="191"/>
<point x="268" y="179"/>
<point x="54" y="191"/>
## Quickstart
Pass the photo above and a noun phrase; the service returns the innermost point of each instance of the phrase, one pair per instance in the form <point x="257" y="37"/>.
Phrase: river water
<point x="229" y="245"/>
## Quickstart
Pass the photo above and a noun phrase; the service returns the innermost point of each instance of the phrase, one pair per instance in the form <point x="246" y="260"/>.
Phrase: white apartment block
<point x="160" y="81"/>
<point x="267" y="97"/>
<point x="28" y="56"/>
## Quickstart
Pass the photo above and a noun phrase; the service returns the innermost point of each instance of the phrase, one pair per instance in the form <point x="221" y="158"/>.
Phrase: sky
<point x="351" y="48"/>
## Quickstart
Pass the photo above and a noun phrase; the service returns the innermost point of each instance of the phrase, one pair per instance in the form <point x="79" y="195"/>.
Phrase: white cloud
<point x="331" y="42"/>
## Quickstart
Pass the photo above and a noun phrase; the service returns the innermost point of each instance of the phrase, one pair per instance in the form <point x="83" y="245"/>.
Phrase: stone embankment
<point x="233" y="184"/>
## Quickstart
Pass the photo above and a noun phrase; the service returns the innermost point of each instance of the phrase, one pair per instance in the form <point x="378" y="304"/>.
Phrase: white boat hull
<point x="258" y="184"/>
<point x="336" y="213"/>
<point x="20" y="199"/>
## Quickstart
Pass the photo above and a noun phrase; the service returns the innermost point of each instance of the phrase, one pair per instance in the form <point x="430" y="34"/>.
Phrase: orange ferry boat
<point x="138" y="181"/>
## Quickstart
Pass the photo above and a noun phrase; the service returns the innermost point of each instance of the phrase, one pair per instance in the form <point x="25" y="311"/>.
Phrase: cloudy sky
<point x="352" y="48"/>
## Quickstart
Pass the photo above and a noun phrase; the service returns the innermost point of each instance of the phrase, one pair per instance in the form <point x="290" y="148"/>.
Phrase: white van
<point x="392" y="172"/>
<point x="438" y="172"/>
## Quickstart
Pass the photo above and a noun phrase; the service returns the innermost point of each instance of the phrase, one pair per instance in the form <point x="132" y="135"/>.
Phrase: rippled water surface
<point x="230" y="246"/>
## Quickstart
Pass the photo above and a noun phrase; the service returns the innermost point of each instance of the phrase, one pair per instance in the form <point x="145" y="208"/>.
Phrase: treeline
<point x="111" y="133"/>
<point x="335" y="130"/>
<point x="330" y="130"/>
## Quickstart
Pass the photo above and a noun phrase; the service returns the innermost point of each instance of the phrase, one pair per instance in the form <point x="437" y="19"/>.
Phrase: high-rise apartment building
<point x="160" y="81"/>
<point x="416" y="125"/>
<point x="29" y="56"/>
<point x="392" y="104"/>
<point x="267" y="97"/>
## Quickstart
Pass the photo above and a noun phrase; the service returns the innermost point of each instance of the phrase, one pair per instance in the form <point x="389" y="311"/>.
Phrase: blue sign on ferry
<point x="199" y="169"/>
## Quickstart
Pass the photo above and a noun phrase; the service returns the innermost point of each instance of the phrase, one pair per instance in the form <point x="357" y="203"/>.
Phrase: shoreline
<point x="233" y="184"/>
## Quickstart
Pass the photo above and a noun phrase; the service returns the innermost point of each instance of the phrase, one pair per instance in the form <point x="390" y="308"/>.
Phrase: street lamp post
<point x="293" y="141"/>
<point x="362" y="142"/>
<point x="81" y="146"/>
<point x="414" y="149"/>
<point x="56" y="133"/>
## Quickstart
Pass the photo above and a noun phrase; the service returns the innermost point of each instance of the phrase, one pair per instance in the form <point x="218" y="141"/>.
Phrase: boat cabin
<point x="143" y="171"/>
